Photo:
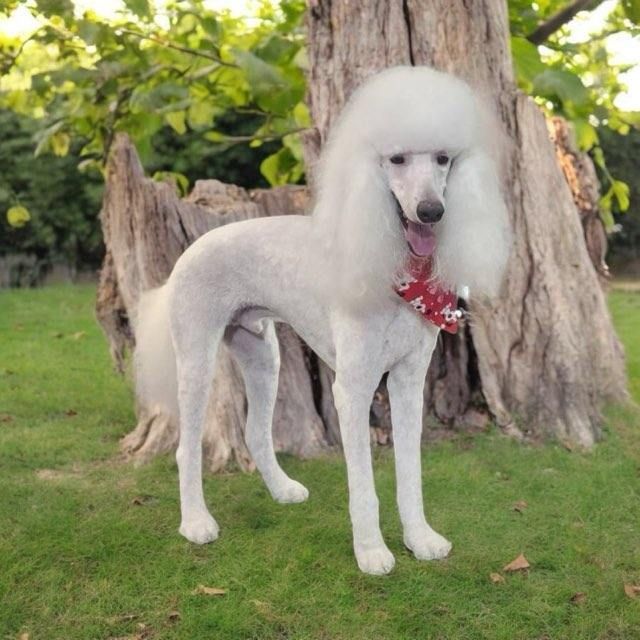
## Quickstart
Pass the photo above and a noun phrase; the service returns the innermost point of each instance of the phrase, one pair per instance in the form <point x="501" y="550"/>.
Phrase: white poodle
<point x="409" y="211"/>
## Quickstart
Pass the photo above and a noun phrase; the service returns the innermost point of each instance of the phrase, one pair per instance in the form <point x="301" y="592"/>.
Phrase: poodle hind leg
<point x="195" y="361"/>
<point x="258" y="356"/>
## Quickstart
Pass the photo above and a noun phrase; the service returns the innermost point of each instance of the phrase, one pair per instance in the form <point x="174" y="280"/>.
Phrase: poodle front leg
<point x="352" y="405"/>
<point x="405" y="384"/>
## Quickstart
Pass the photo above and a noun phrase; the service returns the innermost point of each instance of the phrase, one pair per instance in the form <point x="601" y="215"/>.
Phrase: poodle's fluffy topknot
<point x="411" y="109"/>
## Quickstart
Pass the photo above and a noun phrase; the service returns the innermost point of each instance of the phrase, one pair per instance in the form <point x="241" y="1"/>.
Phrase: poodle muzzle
<point x="421" y="236"/>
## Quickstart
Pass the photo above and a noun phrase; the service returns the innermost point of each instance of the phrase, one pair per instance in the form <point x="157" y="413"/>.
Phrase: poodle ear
<point x="356" y="216"/>
<point x="475" y="239"/>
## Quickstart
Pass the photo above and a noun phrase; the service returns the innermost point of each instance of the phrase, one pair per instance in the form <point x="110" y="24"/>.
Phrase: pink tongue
<point x="421" y="238"/>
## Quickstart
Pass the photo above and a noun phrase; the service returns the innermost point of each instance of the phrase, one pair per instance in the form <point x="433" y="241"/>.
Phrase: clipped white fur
<point x="330" y="276"/>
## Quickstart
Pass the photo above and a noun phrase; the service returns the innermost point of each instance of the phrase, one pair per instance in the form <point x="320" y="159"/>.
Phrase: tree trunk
<point x="146" y="228"/>
<point x="545" y="354"/>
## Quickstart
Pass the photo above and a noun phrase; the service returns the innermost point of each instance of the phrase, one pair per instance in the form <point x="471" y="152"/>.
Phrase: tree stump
<point x="146" y="228"/>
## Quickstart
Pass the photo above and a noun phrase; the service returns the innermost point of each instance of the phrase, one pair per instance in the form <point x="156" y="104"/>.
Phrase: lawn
<point x="89" y="545"/>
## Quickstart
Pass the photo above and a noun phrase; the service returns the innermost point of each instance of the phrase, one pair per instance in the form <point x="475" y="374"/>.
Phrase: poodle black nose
<point x="430" y="210"/>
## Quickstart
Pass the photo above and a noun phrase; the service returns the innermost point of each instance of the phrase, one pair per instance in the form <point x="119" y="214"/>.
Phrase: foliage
<point x="578" y="81"/>
<point x="194" y="157"/>
<point x="90" y="547"/>
<point x="87" y="77"/>
<point x="622" y="153"/>
<point x="207" y="94"/>
<point x="51" y="210"/>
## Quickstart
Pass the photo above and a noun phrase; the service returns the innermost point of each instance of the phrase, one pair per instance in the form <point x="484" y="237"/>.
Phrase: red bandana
<point x="437" y="305"/>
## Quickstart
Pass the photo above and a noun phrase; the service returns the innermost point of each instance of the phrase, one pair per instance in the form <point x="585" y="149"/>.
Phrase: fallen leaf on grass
<point x="632" y="590"/>
<point x="578" y="598"/>
<point x="24" y="636"/>
<point x="520" y="506"/>
<point x="496" y="578"/>
<point x="519" y="564"/>
<point x="125" y="617"/>
<point x="264" y="609"/>
<point x="141" y="501"/>
<point x="201" y="590"/>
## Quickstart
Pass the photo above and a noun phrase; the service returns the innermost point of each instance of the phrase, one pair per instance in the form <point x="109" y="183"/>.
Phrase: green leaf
<point x="215" y="136"/>
<point x="277" y="50"/>
<point x="618" y="190"/>
<point x="281" y="168"/>
<point x="52" y="8"/>
<point x="211" y="27"/>
<point x="43" y="138"/>
<point x="201" y="114"/>
<point x="60" y="142"/>
<point x="177" y="121"/>
<point x="563" y="84"/>
<point x="160" y="97"/>
<point x="179" y="180"/>
<point x="92" y="32"/>
<point x="632" y="10"/>
<point x="262" y="77"/>
<point x="621" y="192"/>
<point x="138" y="7"/>
<point x="586" y="134"/>
<point x="598" y="157"/>
<point x="301" y="115"/>
<point x="18" y="216"/>
<point x="527" y="62"/>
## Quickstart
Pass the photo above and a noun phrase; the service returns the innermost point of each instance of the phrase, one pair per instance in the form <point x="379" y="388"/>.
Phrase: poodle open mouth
<point x="421" y="237"/>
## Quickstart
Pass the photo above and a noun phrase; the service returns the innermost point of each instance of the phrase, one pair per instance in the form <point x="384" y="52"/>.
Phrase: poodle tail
<point x="156" y="380"/>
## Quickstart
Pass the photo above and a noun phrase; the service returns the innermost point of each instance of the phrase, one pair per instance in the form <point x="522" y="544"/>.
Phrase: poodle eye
<point x="442" y="159"/>
<point x="397" y="159"/>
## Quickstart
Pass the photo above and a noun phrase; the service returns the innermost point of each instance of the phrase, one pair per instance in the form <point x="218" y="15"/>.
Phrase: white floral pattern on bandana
<point x="436" y="304"/>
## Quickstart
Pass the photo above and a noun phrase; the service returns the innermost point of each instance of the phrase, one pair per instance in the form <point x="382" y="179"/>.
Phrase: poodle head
<point x="409" y="169"/>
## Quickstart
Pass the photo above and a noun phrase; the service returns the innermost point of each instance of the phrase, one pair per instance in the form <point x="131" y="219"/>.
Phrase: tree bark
<point x="146" y="228"/>
<point x="580" y="175"/>
<point x="544" y="355"/>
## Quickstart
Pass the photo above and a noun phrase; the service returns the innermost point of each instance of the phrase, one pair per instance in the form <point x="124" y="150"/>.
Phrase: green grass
<point x="80" y="560"/>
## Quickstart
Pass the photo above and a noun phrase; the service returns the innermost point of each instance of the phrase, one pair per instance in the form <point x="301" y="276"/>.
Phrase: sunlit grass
<point x="89" y="547"/>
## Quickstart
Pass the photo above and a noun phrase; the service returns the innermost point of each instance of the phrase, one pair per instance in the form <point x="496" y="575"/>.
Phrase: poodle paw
<point x="200" y="529"/>
<point x="427" y="544"/>
<point x="290" y="492"/>
<point x="376" y="561"/>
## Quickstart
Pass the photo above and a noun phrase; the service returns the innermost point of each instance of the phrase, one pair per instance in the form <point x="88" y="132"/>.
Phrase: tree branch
<point x="561" y="18"/>
<point x="176" y="47"/>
